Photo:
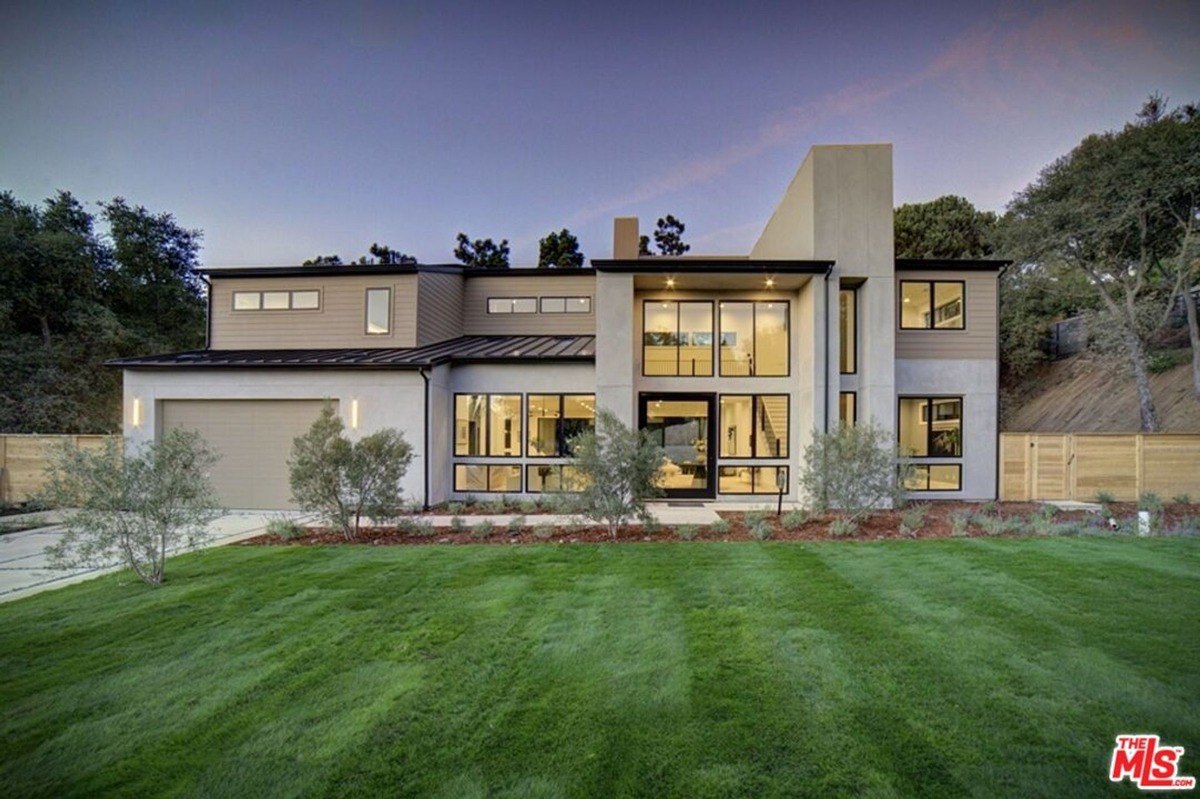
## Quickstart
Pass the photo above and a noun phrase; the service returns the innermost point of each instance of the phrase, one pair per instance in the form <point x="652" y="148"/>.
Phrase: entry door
<point x="684" y="425"/>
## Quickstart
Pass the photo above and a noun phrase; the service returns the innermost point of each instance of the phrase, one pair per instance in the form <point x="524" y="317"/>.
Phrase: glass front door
<point x="682" y="424"/>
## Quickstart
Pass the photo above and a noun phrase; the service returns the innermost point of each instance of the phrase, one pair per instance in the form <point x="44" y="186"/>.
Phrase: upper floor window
<point x="379" y="312"/>
<point x="931" y="427"/>
<point x="510" y="305"/>
<point x="487" y="424"/>
<point x="303" y="300"/>
<point x="754" y="338"/>
<point x="566" y="305"/>
<point x="848" y="306"/>
<point x="554" y="419"/>
<point x="677" y="338"/>
<point x="932" y="304"/>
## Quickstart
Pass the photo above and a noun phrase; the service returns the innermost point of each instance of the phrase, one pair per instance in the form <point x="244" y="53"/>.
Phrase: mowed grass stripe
<point x="991" y="667"/>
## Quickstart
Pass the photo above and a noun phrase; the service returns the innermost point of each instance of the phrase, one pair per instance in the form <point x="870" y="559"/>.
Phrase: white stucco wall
<point x="975" y="381"/>
<point x="385" y="399"/>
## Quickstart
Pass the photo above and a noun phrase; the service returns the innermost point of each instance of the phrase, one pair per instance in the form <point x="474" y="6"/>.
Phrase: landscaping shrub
<point x="515" y="525"/>
<point x="286" y="528"/>
<point x="1106" y="500"/>
<point x="687" y="532"/>
<point x="1187" y="527"/>
<point x="960" y="524"/>
<point x="995" y="525"/>
<point x="343" y="481"/>
<point x="794" y="520"/>
<point x="912" y="519"/>
<point x="528" y="507"/>
<point x="1152" y="504"/>
<point x="853" y="470"/>
<point x="1182" y="499"/>
<point x="618" y="467"/>
<point x="759" y="528"/>
<point x="843" y="527"/>
<point x="132" y="508"/>
<point x="482" y="529"/>
<point x="544" y="532"/>
<point x="720" y="527"/>
<point x="457" y="524"/>
<point x="423" y="528"/>
<point x="455" y="508"/>
<point x="497" y="505"/>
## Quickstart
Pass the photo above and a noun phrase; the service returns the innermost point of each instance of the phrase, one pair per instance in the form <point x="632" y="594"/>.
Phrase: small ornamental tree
<point x="853" y="469"/>
<point x="132" y="509"/>
<point x="343" y="481"/>
<point x="617" y="469"/>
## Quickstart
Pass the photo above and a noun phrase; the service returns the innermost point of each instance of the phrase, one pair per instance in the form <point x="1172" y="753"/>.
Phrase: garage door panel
<point x="254" y="439"/>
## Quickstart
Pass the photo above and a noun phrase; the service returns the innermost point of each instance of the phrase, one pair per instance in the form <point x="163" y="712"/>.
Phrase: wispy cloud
<point x="1037" y="50"/>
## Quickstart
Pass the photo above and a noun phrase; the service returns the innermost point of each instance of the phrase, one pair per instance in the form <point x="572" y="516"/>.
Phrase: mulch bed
<point x="878" y="526"/>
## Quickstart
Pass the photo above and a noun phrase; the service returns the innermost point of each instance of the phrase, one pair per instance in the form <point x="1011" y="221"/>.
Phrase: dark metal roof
<point x="963" y="264"/>
<point x="691" y="265"/>
<point x="381" y="269"/>
<point x="467" y="349"/>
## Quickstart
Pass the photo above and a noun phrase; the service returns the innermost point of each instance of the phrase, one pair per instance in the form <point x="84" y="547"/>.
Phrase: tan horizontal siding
<point x="439" y="307"/>
<point x="340" y="321"/>
<point x="478" y="322"/>
<point x="979" y="338"/>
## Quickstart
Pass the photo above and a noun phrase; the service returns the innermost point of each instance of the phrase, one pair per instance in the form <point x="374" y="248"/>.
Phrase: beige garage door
<point x="254" y="440"/>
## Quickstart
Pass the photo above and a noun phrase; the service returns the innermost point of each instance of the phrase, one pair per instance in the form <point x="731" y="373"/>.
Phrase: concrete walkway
<point x="25" y="569"/>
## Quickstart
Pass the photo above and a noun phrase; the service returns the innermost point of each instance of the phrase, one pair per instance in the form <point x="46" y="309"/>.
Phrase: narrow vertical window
<point x="848" y="305"/>
<point x="848" y="408"/>
<point x="379" y="312"/>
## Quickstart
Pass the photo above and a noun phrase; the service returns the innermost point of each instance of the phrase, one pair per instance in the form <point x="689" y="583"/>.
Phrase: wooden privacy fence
<point x="1076" y="465"/>
<point x="23" y="461"/>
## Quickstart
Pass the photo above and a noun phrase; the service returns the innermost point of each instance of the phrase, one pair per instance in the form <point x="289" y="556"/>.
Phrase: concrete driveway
<point x="25" y="569"/>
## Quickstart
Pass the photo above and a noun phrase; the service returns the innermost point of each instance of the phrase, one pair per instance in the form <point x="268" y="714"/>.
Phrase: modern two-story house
<point x="731" y="362"/>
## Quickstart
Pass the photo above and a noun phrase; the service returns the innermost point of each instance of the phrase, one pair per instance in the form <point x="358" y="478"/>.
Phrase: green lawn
<point x="930" y="668"/>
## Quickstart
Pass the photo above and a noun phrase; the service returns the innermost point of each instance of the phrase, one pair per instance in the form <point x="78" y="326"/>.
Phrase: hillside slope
<point x="1082" y="395"/>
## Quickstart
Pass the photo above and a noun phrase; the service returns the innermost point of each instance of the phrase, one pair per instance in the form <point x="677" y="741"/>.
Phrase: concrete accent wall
<point x="616" y="342"/>
<point x="441" y="434"/>
<point x="439" y="307"/>
<point x="478" y="322"/>
<point x="977" y="340"/>
<point x="975" y="380"/>
<point x="339" y="322"/>
<point x="385" y="399"/>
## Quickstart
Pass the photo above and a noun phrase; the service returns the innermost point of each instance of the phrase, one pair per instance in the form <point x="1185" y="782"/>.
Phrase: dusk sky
<point x="291" y="129"/>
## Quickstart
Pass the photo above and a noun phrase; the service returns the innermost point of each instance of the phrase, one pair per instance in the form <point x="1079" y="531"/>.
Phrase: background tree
<point x="617" y="468"/>
<point x="132" y="509"/>
<point x="948" y="227"/>
<point x="668" y="236"/>
<point x="1121" y="209"/>
<point x="385" y="255"/>
<point x="345" y="481"/>
<point x="482" y="253"/>
<point x="323" y="260"/>
<point x="644" y="245"/>
<point x="559" y="250"/>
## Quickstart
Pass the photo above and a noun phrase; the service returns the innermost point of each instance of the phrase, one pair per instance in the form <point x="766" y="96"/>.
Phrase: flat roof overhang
<point x="659" y="273"/>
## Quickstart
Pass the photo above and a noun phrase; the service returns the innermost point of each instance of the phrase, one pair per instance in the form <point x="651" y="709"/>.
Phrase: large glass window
<point x="934" y="477"/>
<point x="677" y="338"/>
<point x="479" y="478"/>
<point x="754" y="426"/>
<point x="551" y="477"/>
<point x="931" y="427"/>
<point x="754" y="338"/>
<point x="487" y="424"/>
<point x="932" y="304"/>
<point x="751" y="479"/>
<point x="379" y="312"/>
<point x="848" y="306"/>
<point x="554" y="419"/>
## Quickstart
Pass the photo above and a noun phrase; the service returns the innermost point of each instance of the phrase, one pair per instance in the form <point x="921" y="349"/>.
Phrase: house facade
<point x="731" y="362"/>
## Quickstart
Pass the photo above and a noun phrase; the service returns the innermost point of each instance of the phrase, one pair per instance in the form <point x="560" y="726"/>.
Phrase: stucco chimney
<point x="625" y="237"/>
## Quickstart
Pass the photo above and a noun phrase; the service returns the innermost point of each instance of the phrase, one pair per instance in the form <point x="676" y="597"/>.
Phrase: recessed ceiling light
<point x="770" y="282"/>
<point x="670" y="282"/>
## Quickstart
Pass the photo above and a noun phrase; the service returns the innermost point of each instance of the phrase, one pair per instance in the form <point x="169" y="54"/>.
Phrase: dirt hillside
<point x="1081" y="395"/>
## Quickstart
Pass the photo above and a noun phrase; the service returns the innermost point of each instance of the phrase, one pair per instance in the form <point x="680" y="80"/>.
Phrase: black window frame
<point x="854" y="407"/>
<point x="754" y="427"/>
<point x="787" y="316"/>
<point x="488" y="478"/>
<point x="560" y="440"/>
<point x="755" y="469"/>
<point x="854" y="300"/>
<point x="487" y="428"/>
<point x="367" y="310"/>
<point x="678" y="311"/>
<point x="927" y="412"/>
<point x="958" y="467"/>
<point x="559" y="466"/>
<point x="932" y="306"/>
